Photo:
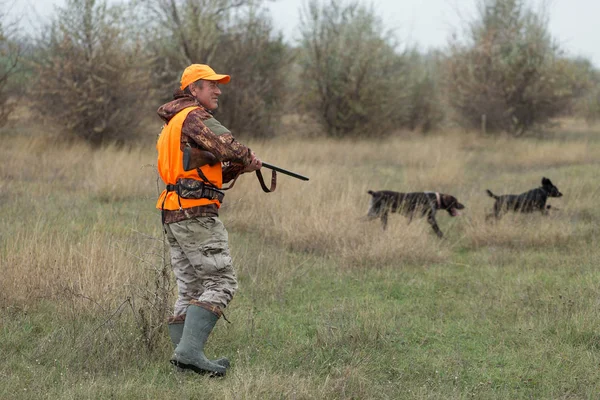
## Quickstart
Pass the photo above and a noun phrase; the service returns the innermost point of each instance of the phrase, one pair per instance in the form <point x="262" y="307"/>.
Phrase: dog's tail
<point x="489" y="192"/>
<point x="371" y="192"/>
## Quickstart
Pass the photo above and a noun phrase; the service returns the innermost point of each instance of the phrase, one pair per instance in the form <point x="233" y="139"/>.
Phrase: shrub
<point x="509" y="71"/>
<point x="10" y="55"/>
<point x="588" y="106"/>
<point x="354" y="81"/>
<point x="258" y="64"/>
<point x="234" y="37"/>
<point x="92" y="77"/>
<point x="182" y="33"/>
<point x="426" y="101"/>
<point x="591" y="104"/>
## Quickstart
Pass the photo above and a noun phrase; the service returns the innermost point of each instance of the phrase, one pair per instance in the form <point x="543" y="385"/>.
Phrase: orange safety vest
<point x="170" y="166"/>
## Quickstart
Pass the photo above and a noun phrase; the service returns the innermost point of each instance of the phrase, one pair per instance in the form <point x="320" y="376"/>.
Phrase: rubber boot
<point x="175" y="332"/>
<point x="189" y="353"/>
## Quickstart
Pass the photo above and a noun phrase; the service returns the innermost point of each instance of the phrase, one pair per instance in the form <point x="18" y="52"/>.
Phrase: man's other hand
<point x="254" y="165"/>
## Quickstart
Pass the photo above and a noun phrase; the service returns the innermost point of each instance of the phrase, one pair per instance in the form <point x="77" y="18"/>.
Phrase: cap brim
<point x="219" y="78"/>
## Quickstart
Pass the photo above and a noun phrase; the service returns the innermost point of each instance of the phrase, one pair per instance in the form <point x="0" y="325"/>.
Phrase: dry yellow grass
<point x="324" y="215"/>
<point x="327" y="213"/>
<point x="55" y="245"/>
<point x="329" y="306"/>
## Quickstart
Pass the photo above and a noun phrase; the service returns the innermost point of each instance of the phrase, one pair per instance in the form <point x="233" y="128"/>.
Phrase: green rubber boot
<point x="189" y="353"/>
<point x="175" y="332"/>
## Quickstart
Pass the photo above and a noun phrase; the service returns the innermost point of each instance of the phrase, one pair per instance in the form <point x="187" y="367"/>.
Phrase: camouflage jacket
<point x="201" y="130"/>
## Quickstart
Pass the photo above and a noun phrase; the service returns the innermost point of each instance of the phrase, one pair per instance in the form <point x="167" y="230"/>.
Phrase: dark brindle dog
<point x="409" y="204"/>
<point x="533" y="200"/>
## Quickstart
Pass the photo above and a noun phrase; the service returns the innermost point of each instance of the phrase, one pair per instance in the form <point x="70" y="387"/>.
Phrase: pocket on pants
<point x="216" y="256"/>
<point x="206" y="222"/>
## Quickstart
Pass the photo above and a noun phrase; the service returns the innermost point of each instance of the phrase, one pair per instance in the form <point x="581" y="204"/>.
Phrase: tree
<point x="353" y="79"/>
<point x="233" y="36"/>
<point x="10" y="57"/>
<point x="426" y="101"/>
<point x="258" y="63"/>
<point x="509" y="71"/>
<point x="92" y="75"/>
<point x="588" y="106"/>
<point x="183" y="32"/>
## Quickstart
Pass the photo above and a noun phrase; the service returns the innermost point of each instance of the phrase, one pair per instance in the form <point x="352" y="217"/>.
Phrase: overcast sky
<point x="427" y="23"/>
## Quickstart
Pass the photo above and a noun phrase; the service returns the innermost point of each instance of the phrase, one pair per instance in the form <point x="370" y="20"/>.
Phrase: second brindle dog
<point x="417" y="204"/>
<point x="528" y="202"/>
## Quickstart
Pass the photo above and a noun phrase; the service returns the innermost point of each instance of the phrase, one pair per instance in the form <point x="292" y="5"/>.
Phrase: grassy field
<point x="329" y="306"/>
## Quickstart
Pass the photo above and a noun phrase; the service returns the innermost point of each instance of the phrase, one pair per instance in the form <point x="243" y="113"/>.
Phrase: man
<point x="198" y="241"/>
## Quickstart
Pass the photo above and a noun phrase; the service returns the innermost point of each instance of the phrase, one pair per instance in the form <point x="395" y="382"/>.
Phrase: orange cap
<point x="201" y="71"/>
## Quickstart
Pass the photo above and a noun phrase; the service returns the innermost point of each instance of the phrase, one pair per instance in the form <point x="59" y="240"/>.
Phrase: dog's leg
<point x="434" y="225"/>
<point x="384" y="219"/>
<point x="497" y="210"/>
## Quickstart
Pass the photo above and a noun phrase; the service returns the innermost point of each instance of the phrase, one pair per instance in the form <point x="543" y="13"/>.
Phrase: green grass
<point x="502" y="312"/>
<point x="438" y="331"/>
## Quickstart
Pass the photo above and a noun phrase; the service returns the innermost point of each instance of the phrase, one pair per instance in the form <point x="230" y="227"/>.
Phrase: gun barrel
<point x="195" y="158"/>
<point x="284" y="171"/>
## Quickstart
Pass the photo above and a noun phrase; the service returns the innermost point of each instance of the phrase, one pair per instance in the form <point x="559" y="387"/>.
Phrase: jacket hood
<point x="180" y="101"/>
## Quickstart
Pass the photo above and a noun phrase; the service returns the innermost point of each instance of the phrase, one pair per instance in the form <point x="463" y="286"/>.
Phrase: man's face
<point x="208" y="95"/>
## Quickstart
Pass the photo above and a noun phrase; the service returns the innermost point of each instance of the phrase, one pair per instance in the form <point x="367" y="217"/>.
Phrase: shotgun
<point x="195" y="158"/>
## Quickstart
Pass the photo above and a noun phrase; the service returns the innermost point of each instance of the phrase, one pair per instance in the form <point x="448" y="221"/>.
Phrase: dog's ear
<point x="371" y="192"/>
<point x="546" y="181"/>
<point x="451" y="201"/>
<point x="457" y="204"/>
<point x="447" y="200"/>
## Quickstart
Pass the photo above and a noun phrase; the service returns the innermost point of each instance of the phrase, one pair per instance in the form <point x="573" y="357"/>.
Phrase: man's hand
<point x="254" y="165"/>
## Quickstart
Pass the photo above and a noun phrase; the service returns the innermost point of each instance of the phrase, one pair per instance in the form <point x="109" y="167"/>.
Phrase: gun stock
<point x="195" y="158"/>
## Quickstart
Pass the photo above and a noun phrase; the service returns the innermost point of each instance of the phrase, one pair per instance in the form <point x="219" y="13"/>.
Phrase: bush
<point x="591" y="103"/>
<point x="233" y="37"/>
<point x="354" y="81"/>
<point x="509" y="72"/>
<point x="258" y="63"/>
<point x="182" y="33"/>
<point x="588" y="107"/>
<point x="10" y="55"/>
<point x="426" y="101"/>
<point x="92" y="77"/>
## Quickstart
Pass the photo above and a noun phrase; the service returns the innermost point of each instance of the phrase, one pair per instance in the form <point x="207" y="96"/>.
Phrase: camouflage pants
<point x="201" y="262"/>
